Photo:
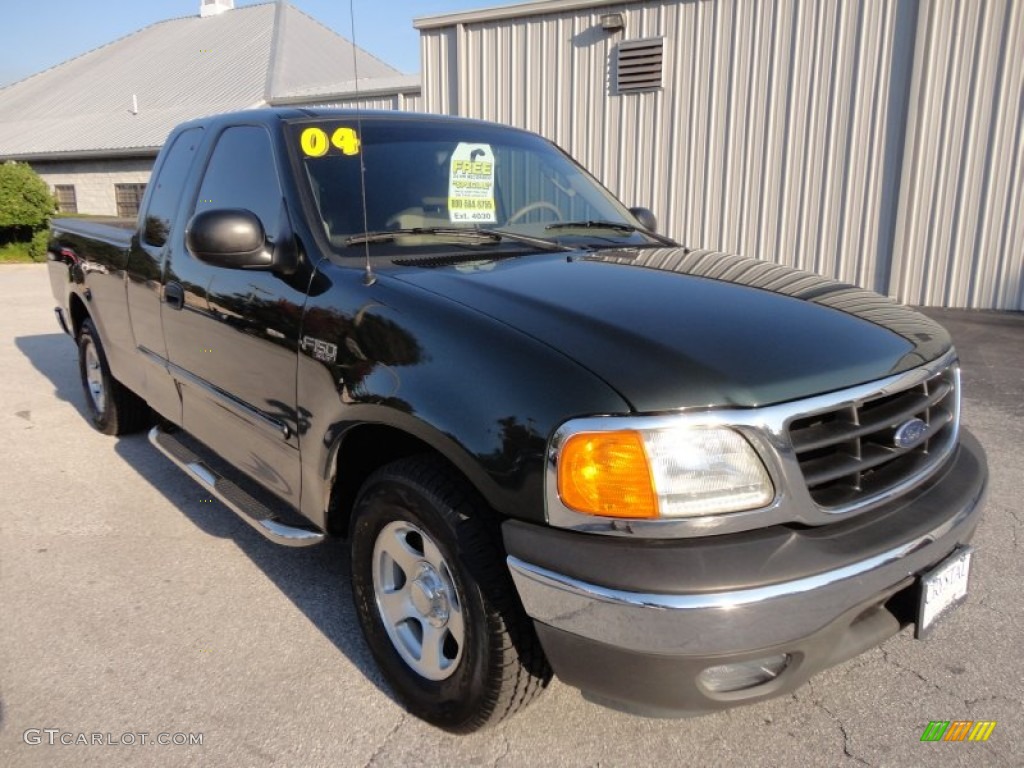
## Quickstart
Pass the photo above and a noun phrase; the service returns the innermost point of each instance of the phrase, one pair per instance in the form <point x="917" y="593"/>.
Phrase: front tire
<point x="436" y="602"/>
<point x="112" y="408"/>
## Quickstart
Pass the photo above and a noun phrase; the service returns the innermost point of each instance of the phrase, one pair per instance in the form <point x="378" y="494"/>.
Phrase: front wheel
<point x="436" y="602"/>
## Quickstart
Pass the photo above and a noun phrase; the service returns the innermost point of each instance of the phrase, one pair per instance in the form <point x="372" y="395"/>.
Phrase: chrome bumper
<point x="745" y="620"/>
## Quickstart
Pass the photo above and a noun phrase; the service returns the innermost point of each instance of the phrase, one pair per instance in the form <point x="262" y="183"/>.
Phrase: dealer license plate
<point x="942" y="588"/>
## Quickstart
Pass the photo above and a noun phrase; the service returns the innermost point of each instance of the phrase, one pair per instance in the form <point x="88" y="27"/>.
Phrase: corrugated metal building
<point x="880" y="142"/>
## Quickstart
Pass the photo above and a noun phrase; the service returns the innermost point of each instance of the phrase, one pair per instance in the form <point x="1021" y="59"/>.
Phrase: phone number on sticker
<point x="484" y="205"/>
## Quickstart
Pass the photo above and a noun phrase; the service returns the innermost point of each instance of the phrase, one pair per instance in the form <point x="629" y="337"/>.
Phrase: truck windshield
<point x="426" y="178"/>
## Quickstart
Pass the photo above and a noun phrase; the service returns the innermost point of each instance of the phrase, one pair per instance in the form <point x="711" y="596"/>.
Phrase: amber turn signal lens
<point x="607" y="473"/>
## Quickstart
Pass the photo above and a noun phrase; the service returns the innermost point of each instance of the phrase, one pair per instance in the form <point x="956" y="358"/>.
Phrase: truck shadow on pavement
<point x="56" y="357"/>
<point x="315" y="579"/>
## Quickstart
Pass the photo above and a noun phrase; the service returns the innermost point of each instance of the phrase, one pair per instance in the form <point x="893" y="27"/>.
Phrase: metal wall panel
<point x="782" y="129"/>
<point x="960" y="237"/>
<point x="409" y="102"/>
<point x="439" y="64"/>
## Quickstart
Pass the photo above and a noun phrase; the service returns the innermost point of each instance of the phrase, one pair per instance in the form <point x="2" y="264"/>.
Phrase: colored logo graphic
<point x="958" y="730"/>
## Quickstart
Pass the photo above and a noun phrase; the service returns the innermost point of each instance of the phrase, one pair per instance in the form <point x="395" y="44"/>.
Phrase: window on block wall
<point x="128" y="197"/>
<point x="67" y="202"/>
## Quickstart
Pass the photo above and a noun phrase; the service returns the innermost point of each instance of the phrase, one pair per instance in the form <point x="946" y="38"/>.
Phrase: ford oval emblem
<point x="910" y="434"/>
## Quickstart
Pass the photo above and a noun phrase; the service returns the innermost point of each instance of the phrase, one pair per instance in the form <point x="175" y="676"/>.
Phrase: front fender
<point x="478" y="392"/>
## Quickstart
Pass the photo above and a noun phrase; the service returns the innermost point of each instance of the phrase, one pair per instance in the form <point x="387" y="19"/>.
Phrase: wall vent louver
<point x="639" y="65"/>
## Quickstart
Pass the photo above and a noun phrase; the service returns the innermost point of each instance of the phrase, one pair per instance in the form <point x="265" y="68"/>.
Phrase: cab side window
<point x="168" y="183"/>
<point x="242" y="174"/>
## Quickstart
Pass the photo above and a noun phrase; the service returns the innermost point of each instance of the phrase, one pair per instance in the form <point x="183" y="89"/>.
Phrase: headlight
<point x="661" y="473"/>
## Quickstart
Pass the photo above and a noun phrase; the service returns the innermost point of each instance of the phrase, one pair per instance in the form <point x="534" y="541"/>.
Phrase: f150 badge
<point x="319" y="349"/>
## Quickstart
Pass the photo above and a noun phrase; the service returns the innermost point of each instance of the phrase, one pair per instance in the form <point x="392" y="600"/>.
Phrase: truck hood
<point x="672" y="328"/>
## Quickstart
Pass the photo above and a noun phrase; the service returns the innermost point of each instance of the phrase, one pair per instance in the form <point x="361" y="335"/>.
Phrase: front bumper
<point x="820" y="595"/>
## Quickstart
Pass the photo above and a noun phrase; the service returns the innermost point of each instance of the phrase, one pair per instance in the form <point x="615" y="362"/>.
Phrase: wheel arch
<point x="78" y="312"/>
<point x="364" y="448"/>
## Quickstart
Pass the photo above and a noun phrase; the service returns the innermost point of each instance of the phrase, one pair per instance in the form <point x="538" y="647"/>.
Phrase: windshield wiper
<point x="538" y="242"/>
<point x="387" y="235"/>
<point x="614" y="226"/>
<point x="457" y="233"/>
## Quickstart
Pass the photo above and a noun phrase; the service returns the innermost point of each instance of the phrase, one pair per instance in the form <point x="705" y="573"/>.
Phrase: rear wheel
<point x="436" y="602"/>
<point x="112" y="408"/>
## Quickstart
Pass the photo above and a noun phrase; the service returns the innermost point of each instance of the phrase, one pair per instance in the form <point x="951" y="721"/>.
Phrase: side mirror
<point x="646" y="218"/>
<point x="230" y="237"/>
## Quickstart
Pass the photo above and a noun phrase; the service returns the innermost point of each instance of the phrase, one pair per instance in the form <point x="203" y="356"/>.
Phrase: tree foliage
<point x="25" y="200"/>
<point x="37" y="245"/>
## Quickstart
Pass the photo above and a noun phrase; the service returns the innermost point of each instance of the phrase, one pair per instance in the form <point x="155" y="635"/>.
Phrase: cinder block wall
<point x="94" y="180"/>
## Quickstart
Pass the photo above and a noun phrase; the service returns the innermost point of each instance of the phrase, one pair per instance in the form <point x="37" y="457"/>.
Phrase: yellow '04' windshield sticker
<point x="316" y="142"/>
<point x="471" y="183"/>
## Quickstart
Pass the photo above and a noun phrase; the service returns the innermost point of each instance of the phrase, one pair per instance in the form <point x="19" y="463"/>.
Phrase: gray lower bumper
<point x="739" y="621"/>
<point x="768" y="615"/>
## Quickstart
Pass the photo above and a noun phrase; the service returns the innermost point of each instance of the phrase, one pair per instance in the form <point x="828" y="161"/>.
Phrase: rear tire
<point x="113" y="409"/>
<point x="436" y="602"/>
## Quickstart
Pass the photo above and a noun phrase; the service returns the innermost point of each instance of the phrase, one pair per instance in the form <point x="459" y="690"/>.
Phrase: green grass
<point x="25" y="251"/>
<point x="15" y="253"/>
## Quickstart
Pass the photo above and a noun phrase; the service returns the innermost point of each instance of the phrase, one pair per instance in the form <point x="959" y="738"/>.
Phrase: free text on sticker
<point x="471" y="184"/>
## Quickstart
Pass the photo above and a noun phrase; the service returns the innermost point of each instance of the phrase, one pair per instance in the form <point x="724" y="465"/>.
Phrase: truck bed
<point x="111" y="230"/>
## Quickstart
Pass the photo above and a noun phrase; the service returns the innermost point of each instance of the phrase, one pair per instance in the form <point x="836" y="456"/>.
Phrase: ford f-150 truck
<point x="558" y="442"/>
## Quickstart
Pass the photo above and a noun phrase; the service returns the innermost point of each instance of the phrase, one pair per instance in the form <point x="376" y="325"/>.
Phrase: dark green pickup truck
<point x="558" y="442"/>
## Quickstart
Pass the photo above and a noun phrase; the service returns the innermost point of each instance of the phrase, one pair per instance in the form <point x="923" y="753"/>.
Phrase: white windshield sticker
<point x="471" y="184"/>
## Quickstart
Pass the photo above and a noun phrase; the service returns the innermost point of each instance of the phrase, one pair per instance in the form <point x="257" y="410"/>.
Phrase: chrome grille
<point x="849" y="455"/>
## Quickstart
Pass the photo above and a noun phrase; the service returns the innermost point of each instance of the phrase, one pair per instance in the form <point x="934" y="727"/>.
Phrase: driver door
<point x="232" y="334"/>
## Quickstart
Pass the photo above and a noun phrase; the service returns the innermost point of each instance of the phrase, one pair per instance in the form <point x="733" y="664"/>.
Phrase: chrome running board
<point x="239" y="501"/>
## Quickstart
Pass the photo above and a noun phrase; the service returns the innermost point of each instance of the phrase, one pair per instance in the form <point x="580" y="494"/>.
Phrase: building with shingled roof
<point x="92" y="126"/>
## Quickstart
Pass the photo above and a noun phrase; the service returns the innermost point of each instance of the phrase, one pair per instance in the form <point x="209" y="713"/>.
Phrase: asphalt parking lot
<point x="130" y="603"/>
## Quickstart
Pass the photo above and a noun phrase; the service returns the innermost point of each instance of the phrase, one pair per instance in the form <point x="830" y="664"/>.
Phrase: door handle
<point x="174" y="295"/>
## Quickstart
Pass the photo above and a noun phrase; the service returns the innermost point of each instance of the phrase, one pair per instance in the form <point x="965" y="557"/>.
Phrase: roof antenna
<point x="368" y="277"/>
